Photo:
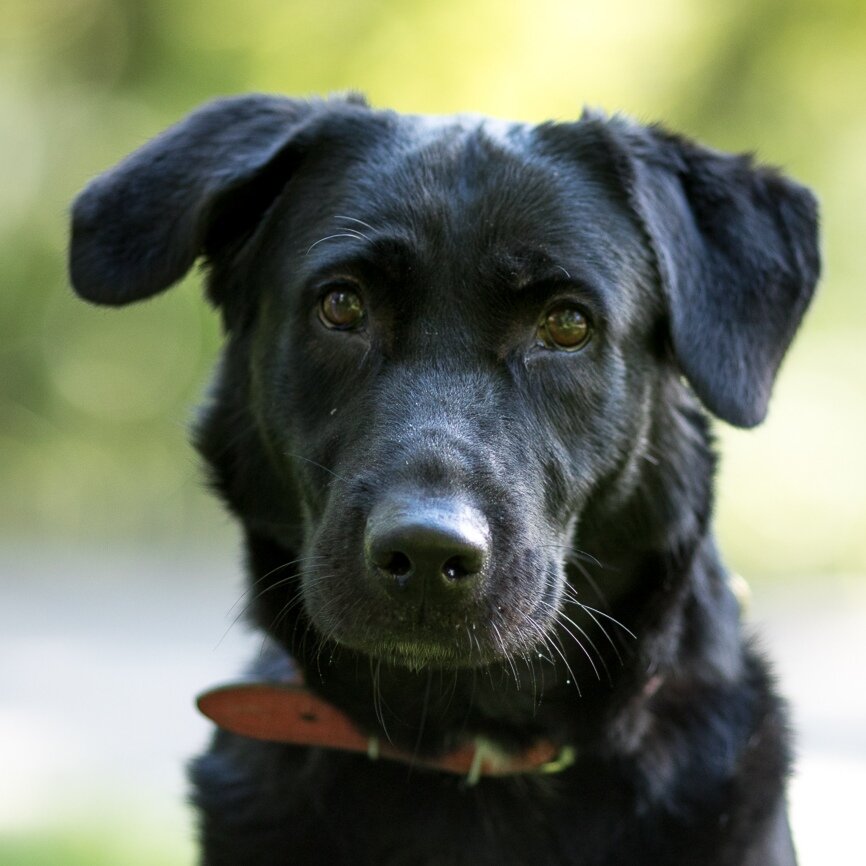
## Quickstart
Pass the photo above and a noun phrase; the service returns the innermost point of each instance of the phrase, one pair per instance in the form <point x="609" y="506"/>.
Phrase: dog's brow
<point x="382" y="243"/>
<point x="523" y="269"/>
<point x="344" y="234"/>
<point x="527" y="265"/>
<point x="385" y="252"/>
<point x="399" y="247"/>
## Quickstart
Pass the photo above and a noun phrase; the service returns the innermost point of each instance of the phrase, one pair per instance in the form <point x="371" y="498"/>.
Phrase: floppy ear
<point x="736" y="247"/>
<point x="138" y="228"/>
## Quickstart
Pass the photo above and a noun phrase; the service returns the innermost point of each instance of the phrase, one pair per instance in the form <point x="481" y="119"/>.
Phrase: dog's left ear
<point x="139" y="227"/>
<point x="736" y="247"/>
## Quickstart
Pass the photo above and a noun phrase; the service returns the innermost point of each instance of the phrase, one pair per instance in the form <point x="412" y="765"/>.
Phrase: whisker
<point x="378" y="699"/>
<point x="424" y="708"/>
<point x="359" y="222"/>
<point x="246" y="608"/>
<point x="253" y="584"/>
<point x="570" y="596"/>
<point x="593" y="585"/>
<point x="603" y="630"/>
<point x="267" y="574"/>
<point x="562" y="615"/>
<point x="607" y="616"/>
<point x="549" y="642"/>
<point x="355" y="236"/>
<point x="313" y="463"/>
<point x="453" y="691"/>
<point x="559" y="616"/>
<point x="583" y="555"/>
<point x="502" y="649"/>
<point x="294" y="601"/>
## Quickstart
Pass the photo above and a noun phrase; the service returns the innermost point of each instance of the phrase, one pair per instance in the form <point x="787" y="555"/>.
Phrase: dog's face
<point x="449" y="342"/>
<point x="440" y="357"/>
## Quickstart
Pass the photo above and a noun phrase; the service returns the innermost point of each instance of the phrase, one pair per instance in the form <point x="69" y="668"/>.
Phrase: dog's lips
<point x="416" y="653"/>
<point x="464" y="639"/>
<point x="463" y="645"/>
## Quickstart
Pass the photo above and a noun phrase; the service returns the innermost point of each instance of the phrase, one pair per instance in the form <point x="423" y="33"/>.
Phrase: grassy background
<point x="94" y="404"/>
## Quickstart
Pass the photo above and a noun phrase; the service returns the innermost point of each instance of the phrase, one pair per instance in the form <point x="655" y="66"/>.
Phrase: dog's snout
<point x="426" y="546"/>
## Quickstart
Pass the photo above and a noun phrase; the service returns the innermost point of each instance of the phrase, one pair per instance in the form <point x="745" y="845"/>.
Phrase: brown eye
<point x="565" y="327"/>
<point x="342" y="309"/>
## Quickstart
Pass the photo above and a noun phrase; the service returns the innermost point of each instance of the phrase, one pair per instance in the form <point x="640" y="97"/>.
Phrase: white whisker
<point x="355" y="236"/>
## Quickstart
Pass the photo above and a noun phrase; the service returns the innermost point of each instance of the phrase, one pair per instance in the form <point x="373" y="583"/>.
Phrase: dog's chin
<point x="467" y="647"/>
<point x="415" y="655"/>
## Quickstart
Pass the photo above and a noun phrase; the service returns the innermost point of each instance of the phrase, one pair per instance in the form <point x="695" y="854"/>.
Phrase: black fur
<point x="590" y="471"/>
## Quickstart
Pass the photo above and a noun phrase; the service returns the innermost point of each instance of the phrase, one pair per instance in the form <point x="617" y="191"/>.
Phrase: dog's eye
<point x="565" y="327"/>
<point x="341" y="308"/>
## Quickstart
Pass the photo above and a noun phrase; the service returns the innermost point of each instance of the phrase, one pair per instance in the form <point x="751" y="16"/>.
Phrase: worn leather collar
<point x="287" y="712"/>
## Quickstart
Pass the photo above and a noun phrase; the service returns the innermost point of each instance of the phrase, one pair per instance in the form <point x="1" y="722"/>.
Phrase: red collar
<point x="286" y="712"/>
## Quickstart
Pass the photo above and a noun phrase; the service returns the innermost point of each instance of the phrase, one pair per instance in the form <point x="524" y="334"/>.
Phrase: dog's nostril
<point x="458" y="567"/>
<point x="396" y="563"/>
<point x="423" y="544"/>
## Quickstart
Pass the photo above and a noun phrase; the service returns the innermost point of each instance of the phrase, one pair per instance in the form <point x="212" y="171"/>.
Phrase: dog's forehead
<point x="484" y="183"/>
<point x="465" y="195"/>
<point x="462" y="158"/>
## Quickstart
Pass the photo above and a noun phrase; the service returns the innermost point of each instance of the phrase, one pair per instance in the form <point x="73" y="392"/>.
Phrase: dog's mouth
<point x="463" y="642"/>
<point x="505" y="620"/>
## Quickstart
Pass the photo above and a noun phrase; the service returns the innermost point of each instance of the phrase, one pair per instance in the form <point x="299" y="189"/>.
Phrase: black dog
<point x="458" y="417"/>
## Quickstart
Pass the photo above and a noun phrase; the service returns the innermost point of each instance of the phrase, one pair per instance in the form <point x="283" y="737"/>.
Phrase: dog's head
<point x="455" y="347"/>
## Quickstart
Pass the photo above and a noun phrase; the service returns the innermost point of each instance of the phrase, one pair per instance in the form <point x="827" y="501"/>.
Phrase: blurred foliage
<point x="95" y="845"/>
<point x="94" y="403"/>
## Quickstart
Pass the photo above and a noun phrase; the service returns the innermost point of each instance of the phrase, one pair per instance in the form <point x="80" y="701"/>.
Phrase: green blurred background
<point x="95" y="404"/>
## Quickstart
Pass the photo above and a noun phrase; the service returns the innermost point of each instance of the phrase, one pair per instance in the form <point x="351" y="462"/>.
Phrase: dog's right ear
<point x="736" y="251"/>
<point x="139" y="227"/>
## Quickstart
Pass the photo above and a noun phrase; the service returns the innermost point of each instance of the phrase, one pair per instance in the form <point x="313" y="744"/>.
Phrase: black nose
<point x="418" y="545"/>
